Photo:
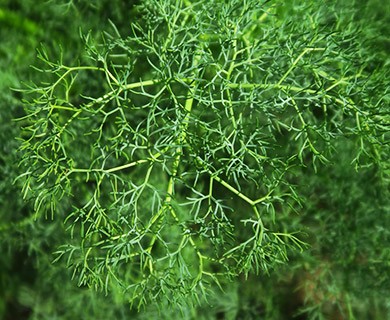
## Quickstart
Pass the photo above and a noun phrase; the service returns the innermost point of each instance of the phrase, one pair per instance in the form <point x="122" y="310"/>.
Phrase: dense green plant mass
<point x="208" y="142"/>
<point x="185" y="142"/>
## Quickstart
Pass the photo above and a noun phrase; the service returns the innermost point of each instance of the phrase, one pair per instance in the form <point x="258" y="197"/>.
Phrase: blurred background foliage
<point x="344" y="274"/>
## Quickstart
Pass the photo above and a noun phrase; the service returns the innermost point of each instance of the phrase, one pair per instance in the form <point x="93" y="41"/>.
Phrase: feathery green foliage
<point x="203" y="143"/>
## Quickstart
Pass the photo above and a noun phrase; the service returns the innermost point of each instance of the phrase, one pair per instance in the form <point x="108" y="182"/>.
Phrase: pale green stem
<point x="179" y="152"/>
<point x="297" y="60"/>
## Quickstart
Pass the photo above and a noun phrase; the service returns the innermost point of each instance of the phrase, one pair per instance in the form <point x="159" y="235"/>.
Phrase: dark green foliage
<point x="184" y="147"/>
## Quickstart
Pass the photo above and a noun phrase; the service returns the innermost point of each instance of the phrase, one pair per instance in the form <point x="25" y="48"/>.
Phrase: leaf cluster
<point x="179" y="152"/>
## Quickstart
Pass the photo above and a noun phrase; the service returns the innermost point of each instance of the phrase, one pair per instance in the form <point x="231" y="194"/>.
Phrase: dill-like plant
<point x="174" y="153"/>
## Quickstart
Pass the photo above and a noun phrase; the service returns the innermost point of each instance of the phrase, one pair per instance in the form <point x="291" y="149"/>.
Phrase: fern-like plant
<point x="171" y="151"/>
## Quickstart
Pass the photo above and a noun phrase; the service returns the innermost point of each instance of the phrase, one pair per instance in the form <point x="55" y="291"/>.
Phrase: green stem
<point x="175" y="167"/>
<point x="297" y="60"/>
